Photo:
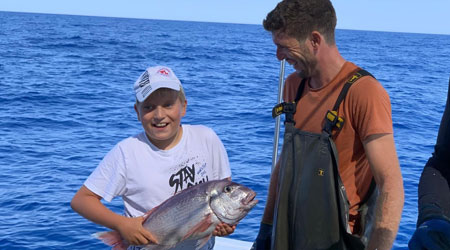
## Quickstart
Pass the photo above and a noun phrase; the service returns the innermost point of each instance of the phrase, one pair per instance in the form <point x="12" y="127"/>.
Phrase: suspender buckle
<point x="334" y="120"/>
<point x="283" y="108"/>
<point x="287" y="108"/>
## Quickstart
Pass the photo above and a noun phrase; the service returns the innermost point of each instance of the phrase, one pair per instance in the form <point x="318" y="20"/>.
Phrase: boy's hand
<point x="134" y="233"/>
<point x="223" y="229"/>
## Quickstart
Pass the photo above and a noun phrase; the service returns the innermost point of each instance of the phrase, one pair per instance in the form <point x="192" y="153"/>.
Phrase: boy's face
<point x="160" y="115"/>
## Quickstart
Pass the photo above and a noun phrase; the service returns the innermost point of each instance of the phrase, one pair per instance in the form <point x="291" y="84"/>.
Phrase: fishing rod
<point x="278" y="118"/>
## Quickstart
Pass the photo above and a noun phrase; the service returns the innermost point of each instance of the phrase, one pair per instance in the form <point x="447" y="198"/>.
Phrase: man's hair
<point x="298" y="18"/>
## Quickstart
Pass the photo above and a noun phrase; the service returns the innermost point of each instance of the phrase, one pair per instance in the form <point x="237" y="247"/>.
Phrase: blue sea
<point x="66" y="99"/>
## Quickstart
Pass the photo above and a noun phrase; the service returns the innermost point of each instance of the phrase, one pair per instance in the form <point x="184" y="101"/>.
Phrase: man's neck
<point x="330" y="63"/>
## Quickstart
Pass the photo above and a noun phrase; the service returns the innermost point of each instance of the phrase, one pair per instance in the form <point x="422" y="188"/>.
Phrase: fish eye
<point x="227" y="189"/>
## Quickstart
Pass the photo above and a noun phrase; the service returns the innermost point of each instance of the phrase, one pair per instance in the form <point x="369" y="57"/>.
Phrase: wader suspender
<point x="332" y="120"/>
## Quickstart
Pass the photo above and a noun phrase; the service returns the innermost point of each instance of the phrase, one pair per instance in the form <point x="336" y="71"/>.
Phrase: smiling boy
<point x="145" y="169"/>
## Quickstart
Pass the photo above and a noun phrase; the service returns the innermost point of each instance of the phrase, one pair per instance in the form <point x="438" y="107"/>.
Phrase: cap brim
<point x="146" y="91"/>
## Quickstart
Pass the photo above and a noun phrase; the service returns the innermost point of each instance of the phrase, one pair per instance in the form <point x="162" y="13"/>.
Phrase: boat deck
<point x="223" y="243"/>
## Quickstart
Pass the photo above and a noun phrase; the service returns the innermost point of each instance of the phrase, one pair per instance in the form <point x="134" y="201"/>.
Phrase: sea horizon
<point x="66" y="99"/>
<point x="180" y="20"/>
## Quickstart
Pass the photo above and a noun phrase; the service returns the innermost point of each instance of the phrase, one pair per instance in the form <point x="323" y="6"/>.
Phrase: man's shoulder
<point x="352" y="67"/>
<point x="367" y="84"/>
<point x="291" y="85"/>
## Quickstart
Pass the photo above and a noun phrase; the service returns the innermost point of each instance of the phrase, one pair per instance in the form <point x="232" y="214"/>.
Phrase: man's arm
<point x="382" y="156"/>
<point x="263" y="240"/>
<point x="271" y="196"/>
<point x="433" y="222"/>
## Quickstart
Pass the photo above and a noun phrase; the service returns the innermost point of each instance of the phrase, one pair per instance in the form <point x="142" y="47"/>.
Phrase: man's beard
<point x="310" y="64"/>
<point x="310" y="69"/>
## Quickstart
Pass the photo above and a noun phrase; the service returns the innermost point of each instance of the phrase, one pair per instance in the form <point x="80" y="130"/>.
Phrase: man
<point x="433" y="223"/>
<point x="323" y="191"/>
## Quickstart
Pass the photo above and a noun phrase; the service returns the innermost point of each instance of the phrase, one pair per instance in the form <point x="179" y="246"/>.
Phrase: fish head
<point x="231" y="201"/>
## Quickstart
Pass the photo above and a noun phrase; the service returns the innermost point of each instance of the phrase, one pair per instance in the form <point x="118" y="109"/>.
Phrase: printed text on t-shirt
<point x="185" y="178"/>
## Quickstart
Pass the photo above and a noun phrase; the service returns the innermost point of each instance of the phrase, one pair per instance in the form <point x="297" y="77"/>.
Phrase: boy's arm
<point x="89" y="205"/>
<point x="382" y="156"/>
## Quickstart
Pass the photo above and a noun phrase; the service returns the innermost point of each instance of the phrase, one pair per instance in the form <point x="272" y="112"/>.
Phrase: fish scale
<point x="179" y="209"/>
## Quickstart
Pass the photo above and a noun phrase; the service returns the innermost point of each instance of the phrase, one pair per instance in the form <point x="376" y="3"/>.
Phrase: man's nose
<point x="280" y="54"/>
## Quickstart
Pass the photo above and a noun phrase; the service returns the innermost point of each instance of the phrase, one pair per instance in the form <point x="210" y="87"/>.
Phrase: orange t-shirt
<point x="366" y="111"/>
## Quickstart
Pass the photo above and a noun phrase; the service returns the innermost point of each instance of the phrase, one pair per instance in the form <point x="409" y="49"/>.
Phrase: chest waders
<point x="311" y="210"/>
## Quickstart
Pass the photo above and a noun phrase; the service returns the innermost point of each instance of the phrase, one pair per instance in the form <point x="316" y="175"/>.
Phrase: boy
<point x="150" y="167"/>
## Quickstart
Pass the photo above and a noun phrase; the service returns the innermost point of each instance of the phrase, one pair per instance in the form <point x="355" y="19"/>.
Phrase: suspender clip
<point x="283" y="108"/>
<point x="334" y="120"/>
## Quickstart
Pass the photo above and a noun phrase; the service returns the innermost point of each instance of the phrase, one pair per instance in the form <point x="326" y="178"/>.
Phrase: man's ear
<point x="316" y="39"/>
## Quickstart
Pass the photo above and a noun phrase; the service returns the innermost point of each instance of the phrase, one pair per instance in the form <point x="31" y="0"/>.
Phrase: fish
<point x="191" y="214"/>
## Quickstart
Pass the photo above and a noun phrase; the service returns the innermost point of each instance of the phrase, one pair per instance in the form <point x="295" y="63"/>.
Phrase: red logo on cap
<point x="164" y="72"/>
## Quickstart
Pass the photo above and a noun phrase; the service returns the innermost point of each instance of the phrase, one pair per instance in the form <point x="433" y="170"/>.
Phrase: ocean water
<point x="66" y="98"/>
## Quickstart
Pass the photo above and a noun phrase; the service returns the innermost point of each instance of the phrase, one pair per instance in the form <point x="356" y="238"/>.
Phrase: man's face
<point x="298" y="54"/>
<point x="160" y="115"/>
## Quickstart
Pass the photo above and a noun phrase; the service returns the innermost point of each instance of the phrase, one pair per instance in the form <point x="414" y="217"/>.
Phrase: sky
<point x="413" y="16"/>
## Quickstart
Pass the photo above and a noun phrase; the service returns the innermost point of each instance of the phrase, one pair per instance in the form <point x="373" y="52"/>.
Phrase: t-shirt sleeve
<point x="221" y="164"/>
<point x="108" y="179"/>
<point x="371" y="108"/>
<point x="290" y="87"/>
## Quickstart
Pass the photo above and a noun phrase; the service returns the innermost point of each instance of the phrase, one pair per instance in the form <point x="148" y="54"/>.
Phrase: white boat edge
<point x="223" y="243"/>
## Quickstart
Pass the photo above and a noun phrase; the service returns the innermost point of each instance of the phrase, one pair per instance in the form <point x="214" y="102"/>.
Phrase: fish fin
<point x="111" y="238"/>
<point x="202" y="242"/>
<point x="120" y="246"/>
<point x="200" y="227"/>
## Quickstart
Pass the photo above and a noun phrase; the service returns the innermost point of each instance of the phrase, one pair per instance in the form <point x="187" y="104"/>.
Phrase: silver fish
<point x="192" y="214"/>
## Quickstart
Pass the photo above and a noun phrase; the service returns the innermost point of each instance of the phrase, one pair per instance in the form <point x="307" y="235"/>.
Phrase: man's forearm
<point x="383" y="160"/>
<point x="271" y="197"/>
<point x="388" y="212"/>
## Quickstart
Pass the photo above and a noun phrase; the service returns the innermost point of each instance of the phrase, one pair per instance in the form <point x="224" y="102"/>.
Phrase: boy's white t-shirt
<point x="145" y="176"/>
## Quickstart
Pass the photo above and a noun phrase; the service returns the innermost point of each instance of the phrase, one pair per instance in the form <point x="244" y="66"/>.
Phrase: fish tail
<point x="111" y="238"/>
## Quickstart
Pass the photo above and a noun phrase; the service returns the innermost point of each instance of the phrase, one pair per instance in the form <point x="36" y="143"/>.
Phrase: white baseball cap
<point x="154" y="78"/>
